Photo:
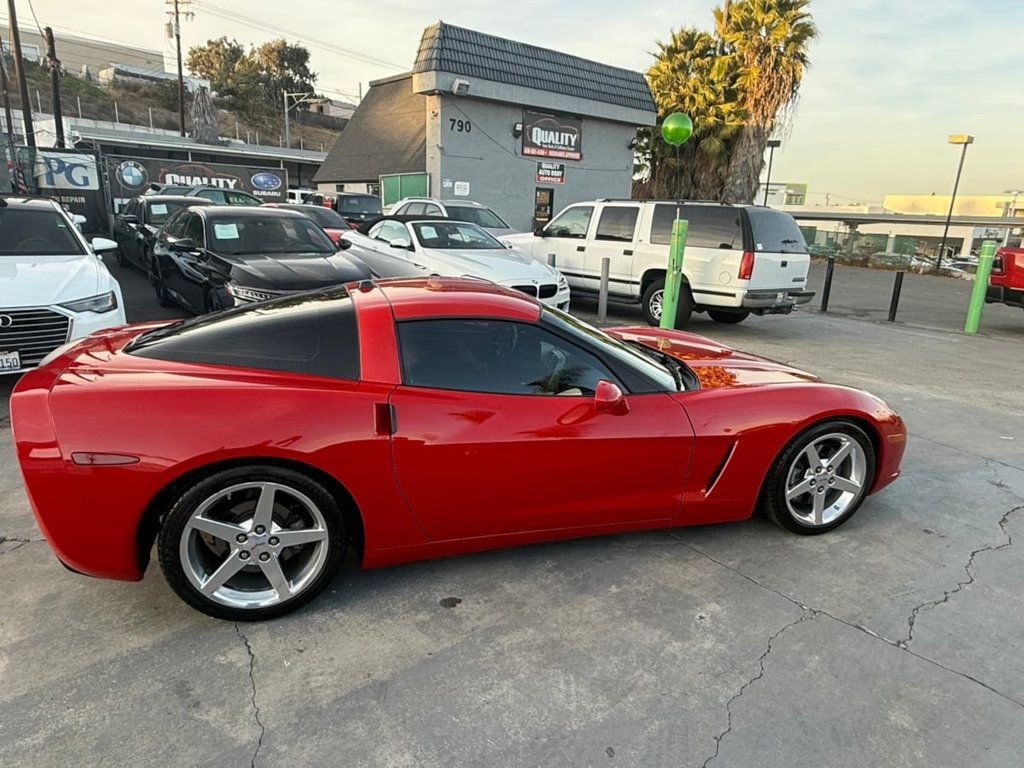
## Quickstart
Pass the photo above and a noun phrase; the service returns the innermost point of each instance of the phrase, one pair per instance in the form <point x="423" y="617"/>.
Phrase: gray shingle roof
<point x="446" y="48"/>
<point x="386" y="134"/>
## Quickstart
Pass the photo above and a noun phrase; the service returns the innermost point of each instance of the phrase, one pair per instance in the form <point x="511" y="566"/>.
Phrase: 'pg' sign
<point x="64" y="170"/>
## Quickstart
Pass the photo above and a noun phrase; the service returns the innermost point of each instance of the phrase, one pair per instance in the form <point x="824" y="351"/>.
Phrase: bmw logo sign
<point x="266" y="181"/>
<point x="132" y="174"/>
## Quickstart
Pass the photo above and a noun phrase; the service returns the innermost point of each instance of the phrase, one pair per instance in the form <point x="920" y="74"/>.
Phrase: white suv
<point x="739" y="259"/>
<point x="53" y="285"/>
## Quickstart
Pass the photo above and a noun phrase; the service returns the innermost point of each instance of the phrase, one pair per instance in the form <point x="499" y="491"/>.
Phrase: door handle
<point x="627" y="252"/>
<point x="581" y="248"/>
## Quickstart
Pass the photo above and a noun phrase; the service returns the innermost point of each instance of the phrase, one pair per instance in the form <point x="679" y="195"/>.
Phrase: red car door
<point x="491" y="440"/>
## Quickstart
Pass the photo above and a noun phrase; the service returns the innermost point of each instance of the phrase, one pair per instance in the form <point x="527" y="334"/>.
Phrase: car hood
<point x="496" y="265"/>
<point x="292" y="271"/>
<point x="714" y="364"/>
<point x="39" y="281"/>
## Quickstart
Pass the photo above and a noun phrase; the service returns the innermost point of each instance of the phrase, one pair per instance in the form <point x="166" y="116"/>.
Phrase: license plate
<point x="10" y="361"/>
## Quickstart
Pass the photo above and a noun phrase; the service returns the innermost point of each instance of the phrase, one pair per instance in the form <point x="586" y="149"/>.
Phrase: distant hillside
<point x="137" y="102"/>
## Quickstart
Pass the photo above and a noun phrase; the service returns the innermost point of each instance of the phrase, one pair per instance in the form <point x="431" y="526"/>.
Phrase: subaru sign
<point x="266" y="181"/>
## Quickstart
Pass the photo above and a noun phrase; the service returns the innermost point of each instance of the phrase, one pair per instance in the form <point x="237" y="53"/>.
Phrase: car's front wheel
<point x="725" y="316"/>
<point x="251" y="543"/>
<point x="820" y="478"/>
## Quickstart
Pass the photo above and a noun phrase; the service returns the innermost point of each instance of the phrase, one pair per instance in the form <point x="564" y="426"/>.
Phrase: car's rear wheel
<point x="725" y="316"/>
<point x="654" y="298"/>
<point x="820" y="479"/>
<point x="122" y="260"/>
<point x="163" y="296"/>
<point x="252" y="543"/>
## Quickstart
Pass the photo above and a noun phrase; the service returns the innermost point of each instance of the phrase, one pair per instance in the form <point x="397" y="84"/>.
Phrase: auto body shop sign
<point x="552" y="136"/>
<point x="131" y="176"/>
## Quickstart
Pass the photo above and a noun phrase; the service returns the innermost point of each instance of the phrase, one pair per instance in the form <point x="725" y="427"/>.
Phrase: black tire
<point x="122" y="260"/>
<point x="162" y="295"/>
<point x="725" y="316"/>
<point x="212" y="301"/>
<point x="181" y="511"/>
<point x="684" y="308"/>
<point x="773" y="493"/>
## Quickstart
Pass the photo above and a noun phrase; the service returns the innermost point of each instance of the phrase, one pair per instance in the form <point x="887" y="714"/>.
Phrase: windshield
<point x="485" y="217"/>
<point x="454" y="235"/>
<point x="775" y="232"/>
<point x="324" y="217"/>
<point x="159" y="211"/>
<point x="638" y="361"/>
<point x="252" y="235"/>
<point x="36" y="233"/>
<point x="358" y="204"/>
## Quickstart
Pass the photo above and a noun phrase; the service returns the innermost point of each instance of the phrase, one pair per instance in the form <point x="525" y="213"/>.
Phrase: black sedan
<point x="137" y="225"/>
<point x="209" y="258"/>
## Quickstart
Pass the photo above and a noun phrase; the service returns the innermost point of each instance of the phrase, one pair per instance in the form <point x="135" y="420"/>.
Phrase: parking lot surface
<point x="890" y="641"/>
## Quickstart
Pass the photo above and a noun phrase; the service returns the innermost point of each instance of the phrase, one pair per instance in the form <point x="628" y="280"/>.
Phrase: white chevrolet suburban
<point x="739" y="258"/>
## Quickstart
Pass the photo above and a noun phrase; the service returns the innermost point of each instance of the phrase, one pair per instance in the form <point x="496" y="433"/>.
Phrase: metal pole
<point x="19" y="73"/>
<point x="181" y="74"/>
<point x="894" y="302"/>
<point x="988" y="252"/>
<point x="768" y="181"/>
<point x="7" y="98"/>
<point x="949" y="215"/>
<point x="287" y="129"/>
<point x="54" y="65"/>
<point x="826" y="290"/>
<point x="79" y="100"/>
<point x="151" y="118"/>
<point x="674" y="276"/>
<point x="602" y="296"/>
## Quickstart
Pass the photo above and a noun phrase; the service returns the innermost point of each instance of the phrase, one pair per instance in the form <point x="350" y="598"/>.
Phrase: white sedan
<point x="451" y="248"/>
<point x="53" y="285"/>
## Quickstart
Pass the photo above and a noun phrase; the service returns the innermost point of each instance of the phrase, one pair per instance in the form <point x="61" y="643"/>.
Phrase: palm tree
<point x="768" y="40"/>
<point x="688" y="75"/>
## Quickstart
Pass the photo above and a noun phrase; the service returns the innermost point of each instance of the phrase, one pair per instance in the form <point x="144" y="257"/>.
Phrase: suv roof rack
<point x="677" y="202"/>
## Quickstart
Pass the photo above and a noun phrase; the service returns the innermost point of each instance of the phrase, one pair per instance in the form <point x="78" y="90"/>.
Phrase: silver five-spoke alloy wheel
<point x="254" y="545"/>
<point x="826" y="479"/>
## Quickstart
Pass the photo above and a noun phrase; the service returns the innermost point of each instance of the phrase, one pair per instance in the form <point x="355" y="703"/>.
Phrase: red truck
<point x="1006" y="283"/>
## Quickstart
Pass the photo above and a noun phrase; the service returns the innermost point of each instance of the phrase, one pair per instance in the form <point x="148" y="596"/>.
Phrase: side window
<point x="212" y="194"/>
<point x="496" y="356"/>
<point x="617" y="223"/>
<point x="374" y="231"/>
<point x="709" y="226"/>
<point x="429" y="209"/>
<point x="389" y="231"/>
<point x="573" y="222"/>
<point x="193" y="229"/>
<point x="413" y="209"/>
<point x="175" y="225"/>
<point x="238" y="198"/>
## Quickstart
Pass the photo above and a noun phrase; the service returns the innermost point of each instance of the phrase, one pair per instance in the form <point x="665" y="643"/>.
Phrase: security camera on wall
<point x="460" y="87"/>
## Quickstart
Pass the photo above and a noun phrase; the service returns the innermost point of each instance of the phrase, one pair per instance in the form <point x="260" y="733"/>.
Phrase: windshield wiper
<point x="669" y="363"/>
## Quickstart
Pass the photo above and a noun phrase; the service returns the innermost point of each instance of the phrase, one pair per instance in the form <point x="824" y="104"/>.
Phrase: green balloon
<point x="676" y="129"/>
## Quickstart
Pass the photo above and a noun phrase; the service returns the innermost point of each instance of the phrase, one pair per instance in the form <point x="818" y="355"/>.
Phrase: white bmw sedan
<point x="450" y="248"/>
<point x="53" y="285"/>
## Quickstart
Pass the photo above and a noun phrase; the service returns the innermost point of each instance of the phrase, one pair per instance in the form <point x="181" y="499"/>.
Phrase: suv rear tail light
<point x="746" y="265"/>
<point x="997" y="264"/>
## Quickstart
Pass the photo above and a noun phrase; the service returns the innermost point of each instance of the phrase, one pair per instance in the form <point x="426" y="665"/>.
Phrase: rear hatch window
<point x="775" y="232"/>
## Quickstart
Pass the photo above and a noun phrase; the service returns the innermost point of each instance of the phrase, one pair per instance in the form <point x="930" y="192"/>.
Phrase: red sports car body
<point x="425" y="456"/>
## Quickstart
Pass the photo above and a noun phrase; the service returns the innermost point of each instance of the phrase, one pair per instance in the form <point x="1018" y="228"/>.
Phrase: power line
<point x="312" y="42"/>
<point x="35" y="18"/>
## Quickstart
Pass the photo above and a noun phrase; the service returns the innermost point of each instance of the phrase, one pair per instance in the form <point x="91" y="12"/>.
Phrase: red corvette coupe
<point x="413" y="419"/>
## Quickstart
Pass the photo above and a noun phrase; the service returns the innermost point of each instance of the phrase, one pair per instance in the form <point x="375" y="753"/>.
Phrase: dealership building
<point x="522" y="129"/>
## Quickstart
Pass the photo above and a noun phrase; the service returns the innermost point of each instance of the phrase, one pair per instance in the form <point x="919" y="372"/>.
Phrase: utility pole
<point x="174" y="10"/>
<point x="9" y="119"/>
<point x="287" y="128"/>
<point x="54" y="64"/>
<point x="19" y="71"/>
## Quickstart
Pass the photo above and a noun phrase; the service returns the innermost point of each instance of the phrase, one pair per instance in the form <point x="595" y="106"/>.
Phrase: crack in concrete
<point x="958" y="449"/>
<point x="252" y="681"/>
<point x="968" y="569"/>
<point x="804" y="616"/>
<point x="21" y="542"/>
<point x="854" y="625"/>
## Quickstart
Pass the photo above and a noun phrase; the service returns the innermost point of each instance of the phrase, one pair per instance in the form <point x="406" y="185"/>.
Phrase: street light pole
<point x="772" y="144"/>
<point x="1010" y="211"/>
<point x="964" y="140"/>
<point x="300" y="98"/>
<point x="287" y="128"/>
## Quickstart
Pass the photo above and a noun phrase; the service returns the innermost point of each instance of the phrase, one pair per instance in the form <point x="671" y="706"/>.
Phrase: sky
<point x="889" y="79"/>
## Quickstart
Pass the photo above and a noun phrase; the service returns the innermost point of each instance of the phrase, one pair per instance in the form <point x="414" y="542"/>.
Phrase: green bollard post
<point x="674" y="277"/>
<point x="988" y="252"/>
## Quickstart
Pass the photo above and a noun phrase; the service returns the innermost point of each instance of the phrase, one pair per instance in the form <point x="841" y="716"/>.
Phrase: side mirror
<point x="183" y="245"/>
<point x="344" y="244"/>
<point x="401" y="243"/>
<point x="102" y="245"/>
<point x="129" y="218"/>
<point x="508" y="245"/>
<point x="539" y="230"/>
<point x="608" y="398"/>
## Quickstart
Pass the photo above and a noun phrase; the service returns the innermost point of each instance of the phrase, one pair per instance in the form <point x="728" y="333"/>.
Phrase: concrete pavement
<point x="892" y="640"/>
